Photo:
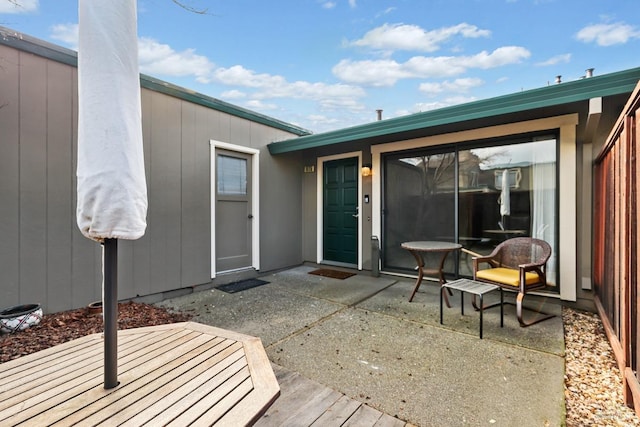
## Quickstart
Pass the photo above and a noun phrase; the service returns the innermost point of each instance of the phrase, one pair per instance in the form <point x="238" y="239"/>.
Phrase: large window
<point x="478" y="195"/>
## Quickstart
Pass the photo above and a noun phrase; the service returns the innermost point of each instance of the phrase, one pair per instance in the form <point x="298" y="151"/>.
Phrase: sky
<point x="331" y="64"/>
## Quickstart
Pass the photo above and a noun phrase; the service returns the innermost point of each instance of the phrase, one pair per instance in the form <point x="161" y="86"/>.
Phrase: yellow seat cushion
<point x="507" y="276"/>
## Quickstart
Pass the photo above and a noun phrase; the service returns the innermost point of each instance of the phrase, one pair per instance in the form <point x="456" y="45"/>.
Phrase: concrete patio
<point x="361" y="337"/>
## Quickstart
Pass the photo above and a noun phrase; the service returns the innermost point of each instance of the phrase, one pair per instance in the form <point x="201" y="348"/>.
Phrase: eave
<point x="557" y="94"/>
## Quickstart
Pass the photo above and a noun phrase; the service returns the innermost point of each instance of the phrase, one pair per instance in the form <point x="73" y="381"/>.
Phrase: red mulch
<point x="58" y="328"/>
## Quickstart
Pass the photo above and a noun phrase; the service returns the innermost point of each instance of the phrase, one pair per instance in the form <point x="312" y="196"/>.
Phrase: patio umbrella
<point x="111" y="185"/>
<point x="505" y="198"/>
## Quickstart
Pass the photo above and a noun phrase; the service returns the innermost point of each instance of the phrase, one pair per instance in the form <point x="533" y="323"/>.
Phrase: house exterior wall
<point x="43" y="256"/>
<point x="576" y="148"/>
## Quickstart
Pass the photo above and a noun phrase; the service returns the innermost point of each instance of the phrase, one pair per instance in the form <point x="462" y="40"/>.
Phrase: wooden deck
<point x="178" y="374"/>
<point x="304" y="402"/>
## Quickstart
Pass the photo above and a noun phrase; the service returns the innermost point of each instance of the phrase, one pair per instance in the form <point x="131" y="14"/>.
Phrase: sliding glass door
<point x="475" y="194"/>
<point x="419" y="203"/>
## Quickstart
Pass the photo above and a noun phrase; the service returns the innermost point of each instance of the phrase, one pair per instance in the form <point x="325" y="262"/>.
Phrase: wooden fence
<point x="616" y="234"/>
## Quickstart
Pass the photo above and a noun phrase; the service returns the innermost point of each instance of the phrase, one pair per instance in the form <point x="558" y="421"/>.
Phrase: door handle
<point x="250" y="216"/>
<point x="355" y="215"/>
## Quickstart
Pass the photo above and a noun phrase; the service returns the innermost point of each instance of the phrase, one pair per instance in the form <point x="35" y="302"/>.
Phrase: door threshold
<point x="339" y="264"/>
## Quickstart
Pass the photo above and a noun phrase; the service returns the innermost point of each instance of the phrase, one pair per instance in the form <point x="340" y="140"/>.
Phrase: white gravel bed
<point x="593" y="385"/>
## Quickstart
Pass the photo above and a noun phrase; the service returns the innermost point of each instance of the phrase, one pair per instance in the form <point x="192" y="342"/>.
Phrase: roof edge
<point x="563" y="93"/>
<point x="26" y="43"/>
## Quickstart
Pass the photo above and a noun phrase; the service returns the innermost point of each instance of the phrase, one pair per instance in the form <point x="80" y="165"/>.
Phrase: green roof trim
<point x="557" y="94"/>
<point x="63" y="55"/>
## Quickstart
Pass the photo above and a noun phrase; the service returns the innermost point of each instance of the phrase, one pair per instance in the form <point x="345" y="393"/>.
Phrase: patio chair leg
<point x="541" y="315"/>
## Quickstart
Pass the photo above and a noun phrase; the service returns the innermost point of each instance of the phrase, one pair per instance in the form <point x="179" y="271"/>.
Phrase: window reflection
<point x="231" y="175"/>
<point x="501" y="192"/>
<point x="507" y="191"/>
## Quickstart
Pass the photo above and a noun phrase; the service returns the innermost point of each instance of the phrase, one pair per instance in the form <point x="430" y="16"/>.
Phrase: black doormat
<point x="242" y="285"/>
<point x="334" y="274"/>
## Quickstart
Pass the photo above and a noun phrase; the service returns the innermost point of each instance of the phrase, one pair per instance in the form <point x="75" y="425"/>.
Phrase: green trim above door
<point x="340" y="211"/>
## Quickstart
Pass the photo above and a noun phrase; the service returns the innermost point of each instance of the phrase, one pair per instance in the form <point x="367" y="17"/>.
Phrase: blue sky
<point x="329" y="64"/>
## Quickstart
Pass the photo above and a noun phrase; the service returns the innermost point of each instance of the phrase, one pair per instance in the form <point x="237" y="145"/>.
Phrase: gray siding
<point x="43" y="256"/>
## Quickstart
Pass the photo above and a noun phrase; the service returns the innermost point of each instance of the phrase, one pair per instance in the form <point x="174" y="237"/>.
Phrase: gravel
<point x="593" y="385"/>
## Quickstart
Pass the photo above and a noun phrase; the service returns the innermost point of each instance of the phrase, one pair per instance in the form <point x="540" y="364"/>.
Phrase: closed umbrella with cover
<point x="112" y="192"/>
<point x="505" y="197"/>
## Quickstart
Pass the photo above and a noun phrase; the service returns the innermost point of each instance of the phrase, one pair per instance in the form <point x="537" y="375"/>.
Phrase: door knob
<point x="250" y="216"/>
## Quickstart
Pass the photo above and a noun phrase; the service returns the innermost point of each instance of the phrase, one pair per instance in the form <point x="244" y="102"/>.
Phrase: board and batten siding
<point x="43" y="256"/>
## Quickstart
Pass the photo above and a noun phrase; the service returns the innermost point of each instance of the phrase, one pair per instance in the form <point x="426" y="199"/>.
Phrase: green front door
<point x="340" y="212"/>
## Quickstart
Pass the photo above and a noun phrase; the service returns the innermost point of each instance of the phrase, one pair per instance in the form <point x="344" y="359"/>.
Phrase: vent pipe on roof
<point x="379" y="114"/>
<point x="558" y="79"/>
<point x="589" y="72"/>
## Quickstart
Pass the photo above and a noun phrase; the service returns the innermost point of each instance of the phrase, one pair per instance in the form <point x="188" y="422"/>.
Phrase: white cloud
<point x="237" y="75"/>
<point x="256" y="104"/>
<point x="274" y="86"/>
<point x="160" y="59"/>
<point x="457" y="86"/>
<point x="67" y="33"/>
<point x="387" y="72"/>
<point x="328" y="4"/>
<point x="320" y="119"/>
<point x="608" y="34"/>
<point x="413" y="37"/>
<point x="233" y="94"/>
<point x="386" y="11"/>
<point x="18" y="6"/>
<point x="565" y="58"/>
<point x="154" y="58"/>
<point x="352" y="4"/>
<point x="447" y="102"/>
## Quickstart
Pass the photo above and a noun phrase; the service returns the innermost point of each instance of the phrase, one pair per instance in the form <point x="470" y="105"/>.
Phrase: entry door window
<point x="232" y="175"/>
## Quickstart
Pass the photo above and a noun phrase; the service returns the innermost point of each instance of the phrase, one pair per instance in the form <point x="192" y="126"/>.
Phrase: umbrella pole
<point x="110" y="310"/>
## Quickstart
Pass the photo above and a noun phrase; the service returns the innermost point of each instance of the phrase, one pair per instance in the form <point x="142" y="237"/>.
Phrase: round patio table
<point x="417" y="248"/>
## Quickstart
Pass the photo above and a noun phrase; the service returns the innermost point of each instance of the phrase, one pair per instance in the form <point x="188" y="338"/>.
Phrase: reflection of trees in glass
<point x="437" y="171"/>
<point x="437" y="175"/>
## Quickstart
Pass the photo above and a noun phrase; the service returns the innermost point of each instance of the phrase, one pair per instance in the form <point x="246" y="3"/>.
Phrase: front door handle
<point x="250" y="216"/>
<point x="356" y="215"/>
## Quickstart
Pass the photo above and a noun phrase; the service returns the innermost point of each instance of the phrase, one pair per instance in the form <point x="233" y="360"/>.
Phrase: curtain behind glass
<point x="543" y="201"/>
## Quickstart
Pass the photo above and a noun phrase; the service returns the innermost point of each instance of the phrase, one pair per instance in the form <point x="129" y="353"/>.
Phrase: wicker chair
<point x="517" y="264"/>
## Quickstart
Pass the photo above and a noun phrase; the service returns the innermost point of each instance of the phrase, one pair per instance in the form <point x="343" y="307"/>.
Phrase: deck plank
<point x="178" y="372"/>
<point x="339" y="413"/>
<point x="389" y="421"/>
<point x="179" y="392"/>
<point x="365" y="416"/>
<point x="303" y="402"/>
<point x="210" y="399"/>
<point x="52" y="392"/>
<point x="124" y="402"/>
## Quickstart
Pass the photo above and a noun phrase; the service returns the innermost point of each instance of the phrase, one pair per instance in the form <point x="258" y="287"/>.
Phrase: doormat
<point x="242" y="285"/>
<point x="334" y="274"/>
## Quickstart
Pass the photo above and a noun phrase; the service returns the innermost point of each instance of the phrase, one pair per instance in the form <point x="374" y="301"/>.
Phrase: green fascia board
<point x="558" y="94"/>
<point x="161" y="86"/>
<point x="66" y="56"/>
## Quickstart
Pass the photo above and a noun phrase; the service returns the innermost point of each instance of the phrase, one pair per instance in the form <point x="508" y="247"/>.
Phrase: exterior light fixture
<point x="366" y="169"/>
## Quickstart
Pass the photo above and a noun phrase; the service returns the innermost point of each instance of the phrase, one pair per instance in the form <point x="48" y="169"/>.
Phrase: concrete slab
<point x="547" y="336"/>
<point x="361" y="337"/>
<point x="426" y="375"/>
<point x="267" y="311"/>
<point x="348" y="291"/>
